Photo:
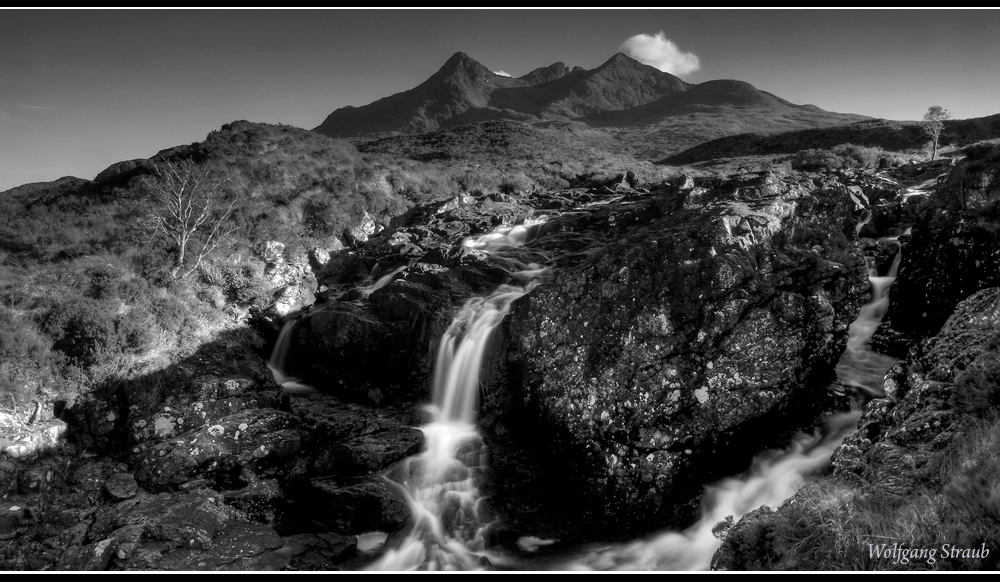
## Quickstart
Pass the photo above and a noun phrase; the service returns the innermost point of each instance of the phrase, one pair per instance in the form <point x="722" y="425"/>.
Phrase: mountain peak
<point x="459" y="58"/>
<point x="464" y="63"/>
<point x="621" y="59"/>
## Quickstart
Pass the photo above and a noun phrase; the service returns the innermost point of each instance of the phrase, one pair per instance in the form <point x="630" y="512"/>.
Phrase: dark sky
<point x="80" y="90"/>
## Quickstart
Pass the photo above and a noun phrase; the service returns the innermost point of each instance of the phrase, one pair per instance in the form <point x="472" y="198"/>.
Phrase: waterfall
<point x="440" y="484"/>
<point x="381" y="282"/>
<point x="279" y="358"/>
<point x="859" y="367"/>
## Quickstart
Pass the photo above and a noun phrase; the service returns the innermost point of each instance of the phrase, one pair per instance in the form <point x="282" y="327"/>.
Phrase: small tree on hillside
<point x="933" y="126"/>
<point x="189" y="210"/>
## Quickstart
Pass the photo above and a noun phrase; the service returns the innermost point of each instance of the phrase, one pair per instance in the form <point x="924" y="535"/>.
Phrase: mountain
<point x="654" y="112"/>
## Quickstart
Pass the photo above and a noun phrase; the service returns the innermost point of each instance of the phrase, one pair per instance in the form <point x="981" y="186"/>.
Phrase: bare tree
<point x="190" y="211"/>
<point x="933" y="125"/>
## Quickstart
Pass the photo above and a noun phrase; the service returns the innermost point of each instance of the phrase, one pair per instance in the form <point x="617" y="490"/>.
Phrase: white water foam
<point x="441" y="483"/>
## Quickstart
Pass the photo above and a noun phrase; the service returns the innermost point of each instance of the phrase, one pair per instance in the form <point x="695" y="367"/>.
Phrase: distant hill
<point x="650" y="112"/>
<point x="888" y="135"/>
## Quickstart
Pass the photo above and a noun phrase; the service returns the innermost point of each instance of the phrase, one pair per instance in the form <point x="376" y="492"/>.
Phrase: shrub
<point x="988" y="152"/>
<point x="245" y="283"/>
<point x="84" y="330"/>
<point x="89" y="332"/>
<point x="25" y="357"/>
<point x="843" y="156"/>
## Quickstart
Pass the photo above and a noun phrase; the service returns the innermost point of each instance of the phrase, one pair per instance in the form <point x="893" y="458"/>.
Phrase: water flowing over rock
<point x="677" y="321"/>
<point x="903" y="460"/>
<point x="441" y="484"/>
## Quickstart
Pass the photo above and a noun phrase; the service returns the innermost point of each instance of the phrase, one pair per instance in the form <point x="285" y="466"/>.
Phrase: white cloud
<point x="501" y="73"/>
<point x="660" y="52"/>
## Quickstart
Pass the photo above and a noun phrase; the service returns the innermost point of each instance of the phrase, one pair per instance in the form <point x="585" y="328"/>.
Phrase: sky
<point x="83" y="89"/>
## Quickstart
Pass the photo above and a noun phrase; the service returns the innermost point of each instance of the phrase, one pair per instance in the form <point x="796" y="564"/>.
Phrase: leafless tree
<point x="189" y="210"/>
<point x="933" y="125"/>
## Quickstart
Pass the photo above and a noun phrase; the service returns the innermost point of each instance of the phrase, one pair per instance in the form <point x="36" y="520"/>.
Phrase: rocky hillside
<point x="881" y="133"/>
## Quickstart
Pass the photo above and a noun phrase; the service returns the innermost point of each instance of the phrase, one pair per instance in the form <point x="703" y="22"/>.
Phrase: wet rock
<point x="374" y="451"/>
<point x="318" y="552"/>
<point x="367" y="506"/>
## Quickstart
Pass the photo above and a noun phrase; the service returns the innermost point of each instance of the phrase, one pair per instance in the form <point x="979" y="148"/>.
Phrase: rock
<point x="241" y="547"/>
<point x="688" y="327"/>
<point x="292" y="298"/>
<point x="318" y="258"/>
<point x="374" y="451"/>
<point x="90" y="558"/>
<point x="360" y="233"/>
<point x="8" y="477"/>
<point x="367" y="506"/>
<point x="121" y="486"/>
<point x="319" y="552"/>
<point x="14" y="519"/>
<point x="261" y="439"/>
<point x="953" y="251"/>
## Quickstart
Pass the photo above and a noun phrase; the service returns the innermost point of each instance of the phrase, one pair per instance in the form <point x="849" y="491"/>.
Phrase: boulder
<point x="692" y="324"/>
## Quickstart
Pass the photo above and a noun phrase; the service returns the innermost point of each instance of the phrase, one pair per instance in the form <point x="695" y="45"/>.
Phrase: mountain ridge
<point x="621" y="93"/>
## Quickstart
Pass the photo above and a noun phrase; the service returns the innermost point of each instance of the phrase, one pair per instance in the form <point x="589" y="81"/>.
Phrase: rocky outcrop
<point x="954" y="250"/>
<point x="928" y="398"/>
<point x="205" y="467"/>
<point x="673" y="323"/>
<point x="917" y="472"/>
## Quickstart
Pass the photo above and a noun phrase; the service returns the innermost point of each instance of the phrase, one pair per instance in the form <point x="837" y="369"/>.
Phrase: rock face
<point x="681" y="320"/>
<point x="954" y="250"/>
<point x="898" y="436"/>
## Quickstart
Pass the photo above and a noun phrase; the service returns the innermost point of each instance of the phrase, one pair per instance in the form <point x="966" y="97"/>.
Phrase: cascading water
<point x="770" y="483"/>
<point x="859" y="367"/>
<point x="440" y="484"/>
<point x="381" y="282"/>
<point x="279" y="358"/>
